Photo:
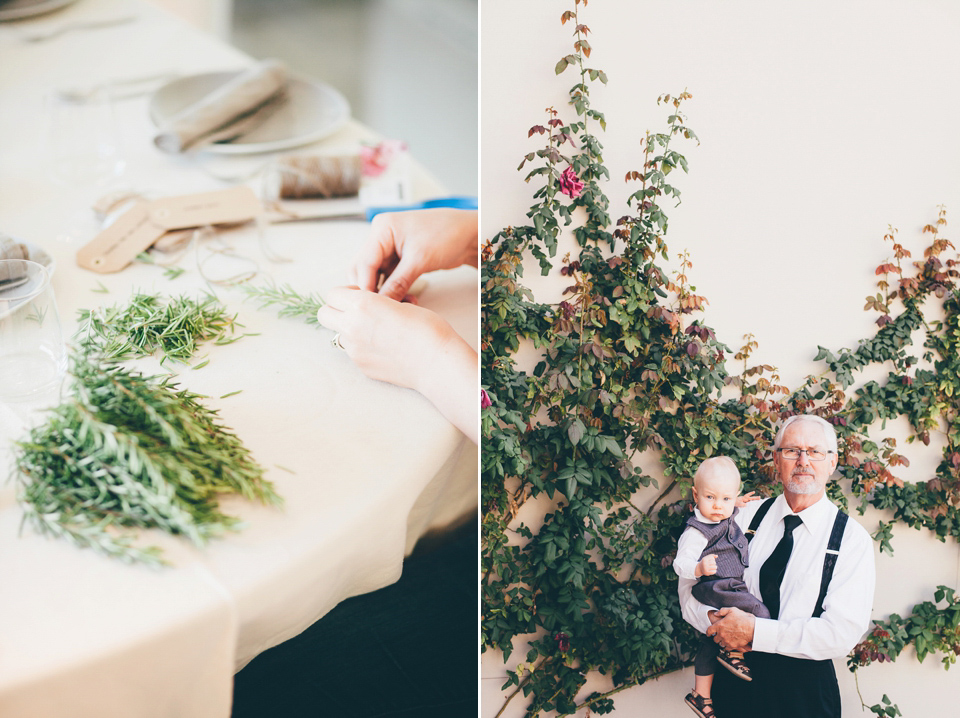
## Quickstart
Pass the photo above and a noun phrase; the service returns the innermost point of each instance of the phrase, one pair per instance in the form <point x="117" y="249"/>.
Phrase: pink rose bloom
<point x="570" y="184"/>
<point x="375" y="159"/>
<point x="484" y="399"/>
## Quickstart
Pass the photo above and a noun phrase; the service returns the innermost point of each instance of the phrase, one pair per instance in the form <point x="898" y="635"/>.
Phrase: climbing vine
<point x="629" y="368"/>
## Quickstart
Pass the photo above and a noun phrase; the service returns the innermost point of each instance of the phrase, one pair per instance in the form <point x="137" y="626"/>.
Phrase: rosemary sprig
<point x="291" y="302"/>
<point x="148" y="323"/>
<point x="126" y="452"/>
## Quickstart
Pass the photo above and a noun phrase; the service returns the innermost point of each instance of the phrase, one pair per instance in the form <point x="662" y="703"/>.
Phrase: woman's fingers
<point x="330" y="318"/>
<point x="337" y="302"/>
<point x="377" y="257"/>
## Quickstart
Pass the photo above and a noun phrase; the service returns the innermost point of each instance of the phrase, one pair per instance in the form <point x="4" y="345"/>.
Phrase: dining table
<point x="365" y="468"/>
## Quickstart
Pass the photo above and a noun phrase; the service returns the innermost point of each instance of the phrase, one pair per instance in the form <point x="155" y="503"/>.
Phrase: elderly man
<point x="814" y="570"/>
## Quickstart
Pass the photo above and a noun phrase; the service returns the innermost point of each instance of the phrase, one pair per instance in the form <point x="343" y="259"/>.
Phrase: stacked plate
<point x="18" y="9"/>
<point x="311" y="111"/>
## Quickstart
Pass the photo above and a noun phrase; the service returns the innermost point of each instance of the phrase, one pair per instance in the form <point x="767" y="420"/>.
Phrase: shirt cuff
<point x="703" y="618"/>
<point x="685" y="569"/>
<point x="765" y="634"/>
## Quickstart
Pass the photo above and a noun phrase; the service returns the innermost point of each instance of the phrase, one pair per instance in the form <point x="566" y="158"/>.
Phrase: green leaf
<point x="575" y="431"/>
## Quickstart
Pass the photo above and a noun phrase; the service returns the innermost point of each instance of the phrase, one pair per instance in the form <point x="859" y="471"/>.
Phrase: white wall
<point x="821" y="123"/>
<point x="213" y="16"/>
<point x="407" y="67"/>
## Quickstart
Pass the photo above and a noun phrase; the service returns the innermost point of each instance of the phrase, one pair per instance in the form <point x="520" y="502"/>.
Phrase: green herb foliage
<point x="173" y="326"/>
<point x="290" y="302"/>
<point x="628" y="367"/>
<point x="127" y="452"/>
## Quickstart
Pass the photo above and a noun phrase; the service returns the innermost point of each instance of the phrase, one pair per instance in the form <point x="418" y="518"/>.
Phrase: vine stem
<point x="661" y="497"/>
<point x="593" y="699"/>
<point x="519" y="687"/>
<point x="856" y="682"/>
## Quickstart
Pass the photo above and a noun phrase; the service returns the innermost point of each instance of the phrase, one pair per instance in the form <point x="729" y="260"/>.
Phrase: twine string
<point x="288" y="177"/>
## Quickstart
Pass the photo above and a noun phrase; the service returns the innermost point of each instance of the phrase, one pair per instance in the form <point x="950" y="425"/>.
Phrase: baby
<point x="713" y="550"/>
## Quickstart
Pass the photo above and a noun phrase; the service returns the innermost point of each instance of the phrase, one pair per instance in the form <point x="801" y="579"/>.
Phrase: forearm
<point x="812" y="638"/>
<point x="467" y="228"/>
<point x="685" y="568"/>
<point x="694" y="612"/>
<point x="689" y="547"/>
<point x="449" y="379"/>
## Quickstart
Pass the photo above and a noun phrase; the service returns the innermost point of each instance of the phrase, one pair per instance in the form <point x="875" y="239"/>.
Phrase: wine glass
<point x="81" y="143"/>
<point x="33" y="357"/>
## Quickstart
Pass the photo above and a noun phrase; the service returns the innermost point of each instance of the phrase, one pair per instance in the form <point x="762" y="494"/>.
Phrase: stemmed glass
<point x="33" y="356"/>
<point x="83" y="155"/>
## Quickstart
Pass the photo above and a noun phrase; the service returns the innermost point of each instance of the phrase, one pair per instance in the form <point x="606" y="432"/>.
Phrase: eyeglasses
<point x="812" y="454"/>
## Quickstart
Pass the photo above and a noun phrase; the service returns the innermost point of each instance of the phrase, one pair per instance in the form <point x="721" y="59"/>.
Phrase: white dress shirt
<point x="849" y="599"/>
<point x="689" y="548"/>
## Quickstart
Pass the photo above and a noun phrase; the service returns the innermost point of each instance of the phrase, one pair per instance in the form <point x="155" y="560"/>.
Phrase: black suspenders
<point x="758" y="517"/>
<point x="829" y="559"/>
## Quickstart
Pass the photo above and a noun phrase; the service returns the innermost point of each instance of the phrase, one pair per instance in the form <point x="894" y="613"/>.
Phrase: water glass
<point x="33" y="357"/>
<point x="83" y="156"/>
<point x="81" y="139"/>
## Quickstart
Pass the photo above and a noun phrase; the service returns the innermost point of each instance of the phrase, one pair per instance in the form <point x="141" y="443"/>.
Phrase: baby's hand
<point x="746" y="499"/>
<point x="707" y="565"/>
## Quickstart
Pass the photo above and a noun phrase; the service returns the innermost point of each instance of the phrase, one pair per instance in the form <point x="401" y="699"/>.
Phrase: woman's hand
<point x="404" y="245"/>
<point x="387" y="340"/>
<point x="410" y="346"/>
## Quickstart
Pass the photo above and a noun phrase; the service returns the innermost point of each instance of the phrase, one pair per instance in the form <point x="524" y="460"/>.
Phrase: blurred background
<point x="407" y="67"/>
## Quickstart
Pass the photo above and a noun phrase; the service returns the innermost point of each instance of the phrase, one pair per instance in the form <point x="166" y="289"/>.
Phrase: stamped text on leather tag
<point x="146" y="222"/>
<point x="227" y="206"/>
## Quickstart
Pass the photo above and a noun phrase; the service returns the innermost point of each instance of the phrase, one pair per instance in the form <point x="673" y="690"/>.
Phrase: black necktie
<point x="771" y="573"/>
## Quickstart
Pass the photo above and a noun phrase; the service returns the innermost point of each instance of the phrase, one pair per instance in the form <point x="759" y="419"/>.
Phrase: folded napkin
<point x="11" y="249"/>
<point x="232" y="109"/>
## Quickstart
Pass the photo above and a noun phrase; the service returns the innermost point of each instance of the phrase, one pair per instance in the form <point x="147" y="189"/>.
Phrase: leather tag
<point x="238" y="204"/>
<point x="116" y="246"/>
<point x="146" y="222"/>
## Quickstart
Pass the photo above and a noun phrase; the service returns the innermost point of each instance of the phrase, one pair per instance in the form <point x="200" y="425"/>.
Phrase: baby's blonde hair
<point x="712" y="464"/>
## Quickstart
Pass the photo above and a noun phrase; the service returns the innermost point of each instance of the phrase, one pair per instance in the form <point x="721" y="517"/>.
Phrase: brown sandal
<point x="703" y="707"/>
<point x="733" y="662"/>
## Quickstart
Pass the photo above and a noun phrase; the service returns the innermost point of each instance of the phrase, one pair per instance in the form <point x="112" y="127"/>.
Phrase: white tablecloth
<point x="365" y="468"/>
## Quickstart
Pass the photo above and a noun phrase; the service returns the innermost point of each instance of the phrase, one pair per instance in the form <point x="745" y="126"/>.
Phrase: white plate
<point x="35" y="254"/>
<point x="313" y="111"/>
<point x="17" y="9"/>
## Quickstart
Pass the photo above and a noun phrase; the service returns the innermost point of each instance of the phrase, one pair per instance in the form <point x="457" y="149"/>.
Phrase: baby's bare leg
<point x="702" y="685"/>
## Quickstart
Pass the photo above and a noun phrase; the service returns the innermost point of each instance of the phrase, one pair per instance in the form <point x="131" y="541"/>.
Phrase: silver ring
<point x="336" y="341"/>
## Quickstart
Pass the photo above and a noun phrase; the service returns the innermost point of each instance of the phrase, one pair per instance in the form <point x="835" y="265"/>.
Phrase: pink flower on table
<point x="484" y="399"/>
<point x="570" y="184"/>
<point x="376" y="158"/>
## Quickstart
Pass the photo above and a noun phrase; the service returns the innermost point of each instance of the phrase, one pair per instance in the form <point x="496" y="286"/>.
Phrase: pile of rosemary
<point x="149" y="323"/>
<point x="126" y="451"/>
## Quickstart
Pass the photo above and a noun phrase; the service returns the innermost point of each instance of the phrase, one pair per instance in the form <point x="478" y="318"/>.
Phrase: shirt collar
<point x="815" y="518"/>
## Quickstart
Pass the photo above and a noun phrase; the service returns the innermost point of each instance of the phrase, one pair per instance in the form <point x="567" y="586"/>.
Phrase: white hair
<point x="829" y="433"/>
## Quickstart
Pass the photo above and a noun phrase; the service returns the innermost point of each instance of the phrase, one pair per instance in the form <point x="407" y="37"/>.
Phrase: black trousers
<point x="406" y="651"/>
<point x="782" y="687"/>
